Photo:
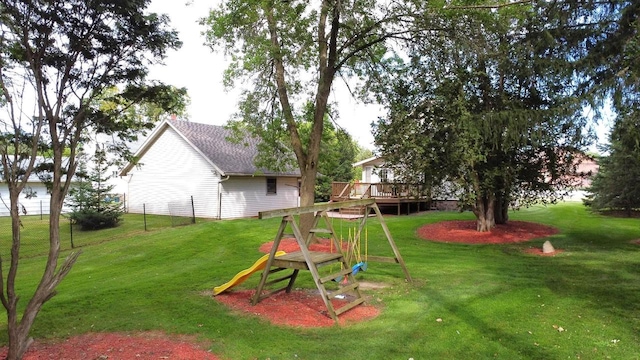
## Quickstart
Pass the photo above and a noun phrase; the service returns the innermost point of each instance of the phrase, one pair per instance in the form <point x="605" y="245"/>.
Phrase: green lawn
<point x="494" y="300"/>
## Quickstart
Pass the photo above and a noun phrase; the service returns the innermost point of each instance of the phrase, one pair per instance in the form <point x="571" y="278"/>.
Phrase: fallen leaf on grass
<point x="559" y="328"/>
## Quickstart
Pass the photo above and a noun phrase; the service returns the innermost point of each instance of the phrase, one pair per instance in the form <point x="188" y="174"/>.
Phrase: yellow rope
<point x="366" y="244"/>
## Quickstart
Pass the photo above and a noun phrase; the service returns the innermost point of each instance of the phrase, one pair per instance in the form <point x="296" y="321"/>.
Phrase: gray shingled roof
<point x="232" y="158"/>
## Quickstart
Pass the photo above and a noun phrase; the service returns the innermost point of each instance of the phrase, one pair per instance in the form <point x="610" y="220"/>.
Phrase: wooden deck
<point x="405" y="198"/>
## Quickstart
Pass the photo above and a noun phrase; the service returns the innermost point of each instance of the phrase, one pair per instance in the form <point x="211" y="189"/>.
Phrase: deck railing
<point x="359" y="190"/>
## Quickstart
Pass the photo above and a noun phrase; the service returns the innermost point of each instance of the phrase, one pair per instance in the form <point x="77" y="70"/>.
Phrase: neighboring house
<point x="183" y="160"/>
<point x="37" y="204"/>
<point x="374" y="171"/>
<point x="586" y="170"/>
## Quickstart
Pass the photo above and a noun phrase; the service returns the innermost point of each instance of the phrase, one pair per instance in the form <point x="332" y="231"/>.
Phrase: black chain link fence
<point x="34" y="229"/>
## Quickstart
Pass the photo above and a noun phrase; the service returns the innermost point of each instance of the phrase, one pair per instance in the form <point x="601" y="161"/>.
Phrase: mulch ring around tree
<point x="301" y="307"/>
<point x="464" y="232"/>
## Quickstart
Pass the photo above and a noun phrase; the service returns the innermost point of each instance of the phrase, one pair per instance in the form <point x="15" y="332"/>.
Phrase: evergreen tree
<point x="616" y="185"/>
<point x="91" y="198"/>
<point x="485" y="105"/>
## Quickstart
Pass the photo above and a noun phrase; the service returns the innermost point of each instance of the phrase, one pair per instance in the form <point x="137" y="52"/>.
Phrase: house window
<point x="384" y="175"/>
<point x="271" y="186"/>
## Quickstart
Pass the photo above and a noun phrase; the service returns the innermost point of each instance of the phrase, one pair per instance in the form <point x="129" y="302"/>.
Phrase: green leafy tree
<point x="91" y="197"/>
<point x="485" y="107"/>
<point x="56" y="60"/>
<point x="615" y="186"/>
<point x="291" y="52"/>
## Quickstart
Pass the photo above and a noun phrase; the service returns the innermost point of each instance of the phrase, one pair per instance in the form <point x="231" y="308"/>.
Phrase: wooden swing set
<point x="312" y="260"/>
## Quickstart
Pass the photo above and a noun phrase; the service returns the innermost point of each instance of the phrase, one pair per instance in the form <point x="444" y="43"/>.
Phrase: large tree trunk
<point x="501" y="213"/>
<point x="308" y="158"/>
<point x="484" y="210"/>
<point x="307" y="198"/>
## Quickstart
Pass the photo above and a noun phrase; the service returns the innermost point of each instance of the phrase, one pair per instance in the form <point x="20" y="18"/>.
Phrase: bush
<point x="89" y="219"/>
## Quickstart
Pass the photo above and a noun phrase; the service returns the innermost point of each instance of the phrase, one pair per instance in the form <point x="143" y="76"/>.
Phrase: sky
<point x="197" y="68"/>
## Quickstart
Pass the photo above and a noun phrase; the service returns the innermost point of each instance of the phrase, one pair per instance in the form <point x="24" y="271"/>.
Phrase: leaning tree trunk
<point x="19" y="327"/>
<point x="19" y="340"/>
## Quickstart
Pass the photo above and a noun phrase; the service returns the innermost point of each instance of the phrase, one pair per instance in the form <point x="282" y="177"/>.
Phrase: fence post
<point x="144" y="215"/>
<point x="193" y="212"/>
<point x="71" y="232"/>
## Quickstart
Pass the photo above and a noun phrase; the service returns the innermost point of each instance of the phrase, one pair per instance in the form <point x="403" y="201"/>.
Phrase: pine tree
<point x="485" y="105"/>
<point x="616" y="185"/>
<point x="91" y="198"/>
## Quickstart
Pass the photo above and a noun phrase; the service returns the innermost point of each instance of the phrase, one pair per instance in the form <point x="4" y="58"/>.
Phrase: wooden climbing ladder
<point x="313" y="260"/>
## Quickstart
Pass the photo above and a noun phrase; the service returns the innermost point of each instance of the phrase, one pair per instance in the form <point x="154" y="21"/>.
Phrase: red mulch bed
<point x="465" y="232"/>
<point x="299" y="308"/>
<point x="112" y="346"/>
<point x="291" y="245"/>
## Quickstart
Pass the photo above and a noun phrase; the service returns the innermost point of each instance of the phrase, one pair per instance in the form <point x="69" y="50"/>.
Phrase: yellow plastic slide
<point x="244" y="274"/>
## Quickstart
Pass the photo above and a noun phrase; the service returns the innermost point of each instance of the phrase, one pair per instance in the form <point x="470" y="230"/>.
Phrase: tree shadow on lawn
<point x="608" y="281"/>
<point x="496" y="334"/>
<point x="612" y="286"/>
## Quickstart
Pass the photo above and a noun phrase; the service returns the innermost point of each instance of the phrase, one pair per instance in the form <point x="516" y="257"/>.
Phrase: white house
<point x="33" y="200"/>
<point x="374" y="171"/>
<point x="34" y="205"/>
<point x="182" y="160"/>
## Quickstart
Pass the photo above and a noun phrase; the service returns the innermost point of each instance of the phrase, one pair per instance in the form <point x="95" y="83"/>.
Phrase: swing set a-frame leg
<point x="397" y="257"/>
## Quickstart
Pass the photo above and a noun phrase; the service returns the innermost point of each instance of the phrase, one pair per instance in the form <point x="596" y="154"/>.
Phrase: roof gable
<point x="372" y="161"/>
<point x="211" y="141"/>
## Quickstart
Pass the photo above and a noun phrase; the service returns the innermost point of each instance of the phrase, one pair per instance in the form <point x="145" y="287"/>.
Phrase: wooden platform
<point x="296" y="260"/>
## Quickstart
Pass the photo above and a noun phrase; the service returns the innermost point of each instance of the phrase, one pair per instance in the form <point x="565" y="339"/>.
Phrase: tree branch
<point x="489" y="6"/>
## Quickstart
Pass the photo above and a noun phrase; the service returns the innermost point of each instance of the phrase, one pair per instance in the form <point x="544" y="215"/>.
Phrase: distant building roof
<point x="212" y="141"/>
<point x="375" y="161"/>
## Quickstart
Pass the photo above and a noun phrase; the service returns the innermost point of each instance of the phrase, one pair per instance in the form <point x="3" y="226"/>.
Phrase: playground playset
<point x="336" y="284"/>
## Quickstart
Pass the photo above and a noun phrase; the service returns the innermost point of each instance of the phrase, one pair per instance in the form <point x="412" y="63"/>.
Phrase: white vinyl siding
<point x="171" y="171"/>
<point x="246" y="196"/>
<point x="372" y="174"/>
<point x="36" y="205"/>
